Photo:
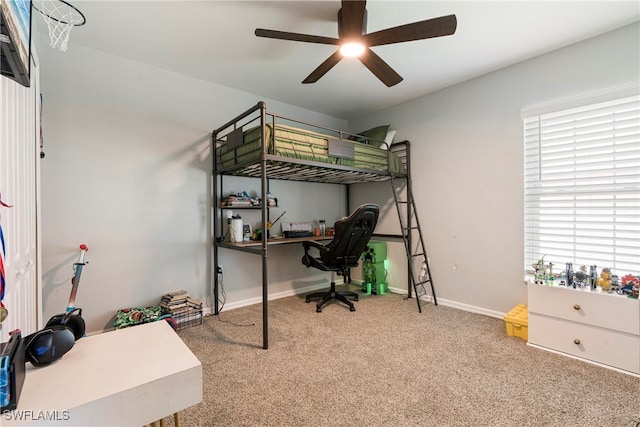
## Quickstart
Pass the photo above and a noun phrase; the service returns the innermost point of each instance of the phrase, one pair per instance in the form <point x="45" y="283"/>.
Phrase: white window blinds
<point x="582" y="186"/>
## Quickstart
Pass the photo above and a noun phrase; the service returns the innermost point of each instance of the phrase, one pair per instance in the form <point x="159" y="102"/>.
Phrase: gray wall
<point x="468" y="163"/>
<point x="127" y="163"/>
<point x="127" y="172"/>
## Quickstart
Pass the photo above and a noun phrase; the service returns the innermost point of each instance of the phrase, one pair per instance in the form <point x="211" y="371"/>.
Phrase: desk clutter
<point x="297" y="229"/>
<point x="239" y="230"/>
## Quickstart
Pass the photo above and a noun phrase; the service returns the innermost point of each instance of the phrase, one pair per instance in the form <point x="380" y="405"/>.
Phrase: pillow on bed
<point x="391" y="134"/>
<point x="378" y="133"/>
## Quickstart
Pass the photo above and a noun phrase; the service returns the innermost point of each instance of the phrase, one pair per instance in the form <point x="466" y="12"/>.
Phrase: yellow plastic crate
<point x="517" y="322"/>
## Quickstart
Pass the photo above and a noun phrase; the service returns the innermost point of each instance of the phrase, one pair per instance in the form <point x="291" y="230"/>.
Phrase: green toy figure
<point x="373" y="272"/>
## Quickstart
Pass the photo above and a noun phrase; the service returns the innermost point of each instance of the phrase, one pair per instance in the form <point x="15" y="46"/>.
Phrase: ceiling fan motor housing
<point x="341" y="33"/>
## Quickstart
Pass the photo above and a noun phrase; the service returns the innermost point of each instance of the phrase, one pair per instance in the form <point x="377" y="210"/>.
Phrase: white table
<point x="127" y="377"/>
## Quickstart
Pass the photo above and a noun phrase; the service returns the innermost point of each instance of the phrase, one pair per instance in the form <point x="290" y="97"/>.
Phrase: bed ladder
<point x="419" y="271"/>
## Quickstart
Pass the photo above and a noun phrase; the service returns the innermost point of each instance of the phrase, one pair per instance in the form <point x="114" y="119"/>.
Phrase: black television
<point x="15" y="40"/>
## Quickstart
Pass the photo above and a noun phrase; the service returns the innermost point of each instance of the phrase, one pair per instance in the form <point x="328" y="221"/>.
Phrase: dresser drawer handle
<point x="576" y="307"/>
<point x="576" y="341"/>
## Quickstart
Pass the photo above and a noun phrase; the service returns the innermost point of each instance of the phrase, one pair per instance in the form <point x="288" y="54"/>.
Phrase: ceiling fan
<point x="352" y="35"/>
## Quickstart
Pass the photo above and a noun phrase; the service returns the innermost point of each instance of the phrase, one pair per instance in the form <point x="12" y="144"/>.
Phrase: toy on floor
<point x="374" y="275"/>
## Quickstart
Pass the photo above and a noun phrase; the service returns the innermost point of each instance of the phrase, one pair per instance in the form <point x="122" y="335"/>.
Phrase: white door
<point x="19" y="187"/>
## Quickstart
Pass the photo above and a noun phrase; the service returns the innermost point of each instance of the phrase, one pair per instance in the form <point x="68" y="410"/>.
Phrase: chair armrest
<point x="312" y="243"/>
<point x="308" y="244"/>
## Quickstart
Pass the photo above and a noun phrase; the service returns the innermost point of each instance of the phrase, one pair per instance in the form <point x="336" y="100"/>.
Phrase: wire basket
<point x="188" y="318"/>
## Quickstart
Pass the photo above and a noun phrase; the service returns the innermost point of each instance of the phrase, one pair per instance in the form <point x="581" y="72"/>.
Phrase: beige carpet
<point x="388" y="365"/>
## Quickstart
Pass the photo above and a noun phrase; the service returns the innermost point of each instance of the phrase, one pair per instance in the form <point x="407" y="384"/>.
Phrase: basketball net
<point x="60" y="17"/>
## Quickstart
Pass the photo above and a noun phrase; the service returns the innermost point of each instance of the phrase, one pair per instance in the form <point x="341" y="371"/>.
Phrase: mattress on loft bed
<point x="296" y="143"/>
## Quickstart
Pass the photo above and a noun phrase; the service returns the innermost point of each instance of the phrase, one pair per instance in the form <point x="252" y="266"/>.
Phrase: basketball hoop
<point x="60" y="17"/>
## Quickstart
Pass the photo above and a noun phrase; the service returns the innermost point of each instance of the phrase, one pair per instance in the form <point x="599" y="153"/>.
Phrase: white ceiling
<point x="215" y="41"/>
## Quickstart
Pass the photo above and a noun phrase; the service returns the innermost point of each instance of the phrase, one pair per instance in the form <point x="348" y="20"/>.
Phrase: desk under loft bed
<point x="263" y="145"/>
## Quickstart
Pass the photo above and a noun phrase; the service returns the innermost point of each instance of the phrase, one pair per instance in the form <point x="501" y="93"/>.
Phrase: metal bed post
<point x="213" y="219"/>
<point x="348" y="195"/>
<point x="265" y="230"/>
<point x="409" y="216"/>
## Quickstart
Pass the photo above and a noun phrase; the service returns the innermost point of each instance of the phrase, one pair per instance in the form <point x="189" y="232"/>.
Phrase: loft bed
<point x="299" y="151"/>
<point x="264" y="145"/>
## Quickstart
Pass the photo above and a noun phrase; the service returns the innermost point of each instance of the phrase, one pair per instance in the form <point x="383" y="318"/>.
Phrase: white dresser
<point x="592" y="325"/>
<point x="127" y="377"/>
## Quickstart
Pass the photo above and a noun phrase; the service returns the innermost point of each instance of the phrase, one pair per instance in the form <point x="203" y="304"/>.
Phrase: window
<point x="582" y="186"/>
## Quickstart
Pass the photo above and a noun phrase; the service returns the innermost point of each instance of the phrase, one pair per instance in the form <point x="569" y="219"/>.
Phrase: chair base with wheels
<point x="331" y="294"/>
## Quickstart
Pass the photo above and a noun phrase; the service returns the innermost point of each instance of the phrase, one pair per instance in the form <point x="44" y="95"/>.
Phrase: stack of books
<point x="243" y="200"/>
<point x="185" y="309"/>
<point x="175" y="302"/>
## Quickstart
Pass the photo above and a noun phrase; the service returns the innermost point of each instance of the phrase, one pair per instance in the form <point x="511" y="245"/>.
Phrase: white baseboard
<point x="273" y="296"/>
<point x="306" y="289"/>
<point x="455" y="304"/>
<point x="471" y="308"/>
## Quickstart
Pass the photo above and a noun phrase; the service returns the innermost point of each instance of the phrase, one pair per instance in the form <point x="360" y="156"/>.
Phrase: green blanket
<point x="303" y="144"/>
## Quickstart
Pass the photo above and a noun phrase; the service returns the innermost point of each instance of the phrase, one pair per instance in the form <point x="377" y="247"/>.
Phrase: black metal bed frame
<point x="272" y="166"/>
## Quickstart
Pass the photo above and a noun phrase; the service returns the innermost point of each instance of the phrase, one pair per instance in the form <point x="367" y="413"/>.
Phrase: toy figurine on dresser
<point x="539" y="272"/>
<point x="580" y="277"/>
<point x="604" y="281"/>
<point x="569" y="272"/>
<point x="543" y="273"/>
<point x="630" y="285"/>
<point x="593" y="277"/>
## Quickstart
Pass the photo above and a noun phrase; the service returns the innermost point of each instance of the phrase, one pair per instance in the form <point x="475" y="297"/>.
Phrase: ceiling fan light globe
<point x="352" y="49"/>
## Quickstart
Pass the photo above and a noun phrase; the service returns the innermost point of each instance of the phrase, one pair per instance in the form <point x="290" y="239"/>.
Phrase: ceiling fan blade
<point x="351" y="18"/>
<point x="381" y="69"/>
<point x="283" y="35"/>
<point x="436" y="27"/>
<point x="323" y="68"/>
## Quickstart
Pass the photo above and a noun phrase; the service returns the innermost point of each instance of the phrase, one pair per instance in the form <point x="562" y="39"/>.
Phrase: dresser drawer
<point x="605" y="310"/>
<point x="617" y="349"/>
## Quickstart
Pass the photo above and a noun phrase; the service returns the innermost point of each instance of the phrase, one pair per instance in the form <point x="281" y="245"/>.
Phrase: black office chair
<point x="351" y="235"/>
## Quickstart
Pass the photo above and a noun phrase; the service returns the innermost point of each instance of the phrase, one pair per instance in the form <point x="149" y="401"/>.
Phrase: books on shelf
<point x="237" y="203"/>
<point x="239" y="200"/>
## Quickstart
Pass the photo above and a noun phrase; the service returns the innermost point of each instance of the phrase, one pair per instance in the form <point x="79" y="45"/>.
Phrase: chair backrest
<point x="351" y="235"/>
